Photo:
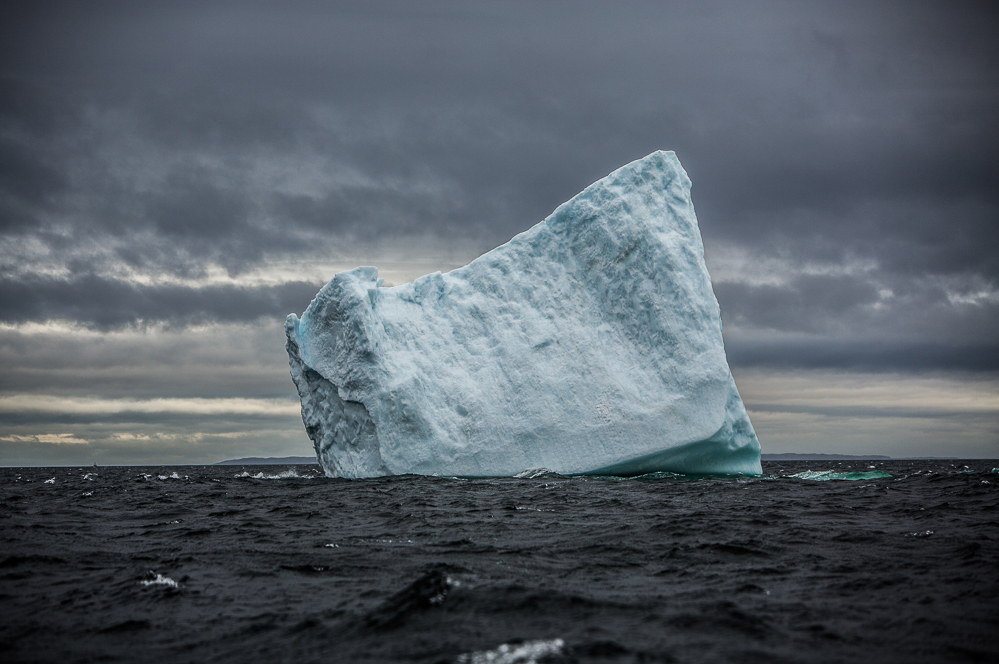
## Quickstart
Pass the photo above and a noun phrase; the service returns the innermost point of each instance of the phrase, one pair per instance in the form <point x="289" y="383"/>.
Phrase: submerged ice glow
<point x="589" y="344"/>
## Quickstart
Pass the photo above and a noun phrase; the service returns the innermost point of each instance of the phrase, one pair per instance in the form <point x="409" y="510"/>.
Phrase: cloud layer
<point x="171" y="167"/>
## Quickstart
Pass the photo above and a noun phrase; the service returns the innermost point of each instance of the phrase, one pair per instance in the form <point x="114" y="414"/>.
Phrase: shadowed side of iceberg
<point x="342" y="432"/>
<point x="590" y="343"/>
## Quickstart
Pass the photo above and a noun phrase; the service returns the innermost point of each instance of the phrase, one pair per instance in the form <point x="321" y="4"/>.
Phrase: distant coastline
<point x="269" y="461"/>
<point x="795" y="456"/>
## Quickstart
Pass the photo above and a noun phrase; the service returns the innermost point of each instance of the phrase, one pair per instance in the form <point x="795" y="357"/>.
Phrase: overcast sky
<point x="176" y="177"/>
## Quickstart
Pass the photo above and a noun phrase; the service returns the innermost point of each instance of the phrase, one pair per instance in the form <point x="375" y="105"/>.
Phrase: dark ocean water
<point x="900" y="563"/>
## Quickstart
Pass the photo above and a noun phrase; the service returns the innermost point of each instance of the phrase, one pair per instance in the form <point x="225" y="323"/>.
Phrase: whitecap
<point x="528" y="652"/>
<point x="160" y="580"/>
<point x="824" y="475"/>
<point x="535" y="473"/>
<point x="291" y="473"/>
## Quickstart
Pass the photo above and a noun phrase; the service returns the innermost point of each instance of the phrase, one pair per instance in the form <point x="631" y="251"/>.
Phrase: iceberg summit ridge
<point x="589" y="344"/>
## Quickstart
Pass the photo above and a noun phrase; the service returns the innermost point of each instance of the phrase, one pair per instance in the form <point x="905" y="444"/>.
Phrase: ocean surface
<point x="816" y="561"/>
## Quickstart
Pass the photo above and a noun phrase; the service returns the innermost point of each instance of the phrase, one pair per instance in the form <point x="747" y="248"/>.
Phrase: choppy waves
<point x="825" y="475"/>
<point x="290" y="474"/>
<point x="812" y="561"/>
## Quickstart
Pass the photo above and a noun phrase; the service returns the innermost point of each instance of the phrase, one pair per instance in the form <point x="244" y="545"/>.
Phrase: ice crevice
<point x="342" y="431"/>
<point x="589" y="344"/>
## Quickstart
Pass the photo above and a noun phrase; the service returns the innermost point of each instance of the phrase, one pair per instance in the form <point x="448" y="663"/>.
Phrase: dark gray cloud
<point x="108" y="303"/>
<point x="864" y="355"/>
<point x="166" y="139"/>
<point x="211" y="361"/>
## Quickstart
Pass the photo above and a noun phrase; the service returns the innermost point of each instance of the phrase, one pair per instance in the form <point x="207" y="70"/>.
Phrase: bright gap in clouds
<point x="849" y="412"/>
<point x="44" y="403"/>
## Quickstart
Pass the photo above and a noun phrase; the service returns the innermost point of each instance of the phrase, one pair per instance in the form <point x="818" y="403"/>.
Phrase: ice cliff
<point x="589" y="344"/>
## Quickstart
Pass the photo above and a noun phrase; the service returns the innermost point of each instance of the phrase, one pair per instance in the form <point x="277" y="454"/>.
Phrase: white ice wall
<point x="590" y="343"/>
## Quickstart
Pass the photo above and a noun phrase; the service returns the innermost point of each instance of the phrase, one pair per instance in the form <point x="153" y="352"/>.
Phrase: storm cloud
<point x="174" y="165"/>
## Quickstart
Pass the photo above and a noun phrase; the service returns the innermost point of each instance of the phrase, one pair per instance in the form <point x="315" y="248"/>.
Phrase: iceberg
<point x="588" y="344"/>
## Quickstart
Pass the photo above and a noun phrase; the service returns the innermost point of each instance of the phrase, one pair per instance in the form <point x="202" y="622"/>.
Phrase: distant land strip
<point x="794" y="456"/>
<point x="269" y="461"/>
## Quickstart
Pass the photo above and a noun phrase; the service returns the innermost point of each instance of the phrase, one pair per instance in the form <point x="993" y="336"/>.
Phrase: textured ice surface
<point x="590" y="343"/>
